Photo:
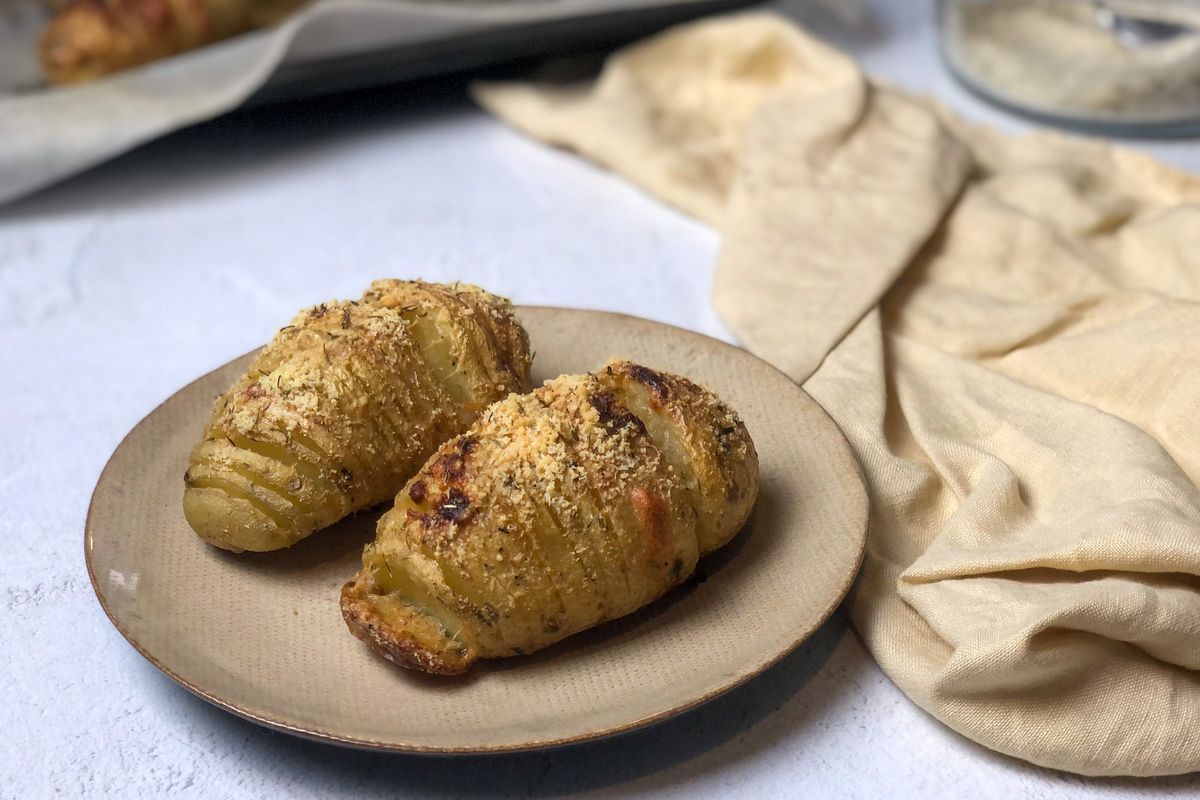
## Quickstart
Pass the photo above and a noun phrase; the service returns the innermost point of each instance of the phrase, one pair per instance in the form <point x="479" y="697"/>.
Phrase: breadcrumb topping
<point x="576" y="503"/>
<point x="344" y="404"/>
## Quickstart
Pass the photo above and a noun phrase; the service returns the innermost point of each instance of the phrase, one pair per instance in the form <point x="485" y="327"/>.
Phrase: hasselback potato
<point x="560" y="509"/>
<point x="344" y="405"/>
<point x="91" y="38"/>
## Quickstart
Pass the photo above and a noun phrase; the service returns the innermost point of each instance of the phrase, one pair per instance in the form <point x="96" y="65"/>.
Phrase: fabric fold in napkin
<point x="1008" y="331"/>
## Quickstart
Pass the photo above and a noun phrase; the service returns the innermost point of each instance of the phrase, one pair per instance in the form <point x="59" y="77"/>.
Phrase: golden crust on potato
<point x="558" y="510"/>
<point x="88" y="39"/>
<point x="344" y="404"/>
<point x="416" y="643"/>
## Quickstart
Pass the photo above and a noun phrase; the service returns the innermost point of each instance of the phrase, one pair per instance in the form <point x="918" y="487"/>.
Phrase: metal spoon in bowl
<point x="1134" y="31"/>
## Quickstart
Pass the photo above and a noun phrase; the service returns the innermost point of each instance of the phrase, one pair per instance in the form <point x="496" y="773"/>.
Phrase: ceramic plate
<point x="260" y="634"/>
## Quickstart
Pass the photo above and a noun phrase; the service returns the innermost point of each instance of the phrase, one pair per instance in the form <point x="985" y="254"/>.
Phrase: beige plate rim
<point x="541" y="744"/>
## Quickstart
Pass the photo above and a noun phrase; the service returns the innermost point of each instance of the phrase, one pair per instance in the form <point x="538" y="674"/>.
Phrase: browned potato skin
<point x="88" y="39"/>
<point x="558" y="510"/>
<point x="344" y="405"/>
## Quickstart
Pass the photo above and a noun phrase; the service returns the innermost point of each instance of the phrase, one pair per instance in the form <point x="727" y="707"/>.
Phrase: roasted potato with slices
<point x="577" y="503"/>
<point x="88" y="39"/>
<point x="344" y="405"/>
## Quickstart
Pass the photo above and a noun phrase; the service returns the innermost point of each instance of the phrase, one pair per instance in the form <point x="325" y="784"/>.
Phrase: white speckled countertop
<point x="118" y="287"/>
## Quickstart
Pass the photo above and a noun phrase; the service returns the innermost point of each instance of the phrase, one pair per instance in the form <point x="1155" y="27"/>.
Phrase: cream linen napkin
<point x="1008" y="331"/>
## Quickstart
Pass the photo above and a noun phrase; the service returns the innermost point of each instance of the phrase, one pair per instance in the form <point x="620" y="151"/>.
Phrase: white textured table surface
<point x="119" y="287"/>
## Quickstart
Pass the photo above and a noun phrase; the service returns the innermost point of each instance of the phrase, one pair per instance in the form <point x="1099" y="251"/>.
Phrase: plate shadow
<point x="545" y="773"/>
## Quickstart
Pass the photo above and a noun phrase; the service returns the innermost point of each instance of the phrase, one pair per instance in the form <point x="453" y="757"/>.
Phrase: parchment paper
<point x="49" y="133"/>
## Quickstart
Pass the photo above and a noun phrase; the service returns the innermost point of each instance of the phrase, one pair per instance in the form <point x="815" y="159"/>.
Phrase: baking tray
<point x="549" y="28"/>
<point x="48" y="133"/>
